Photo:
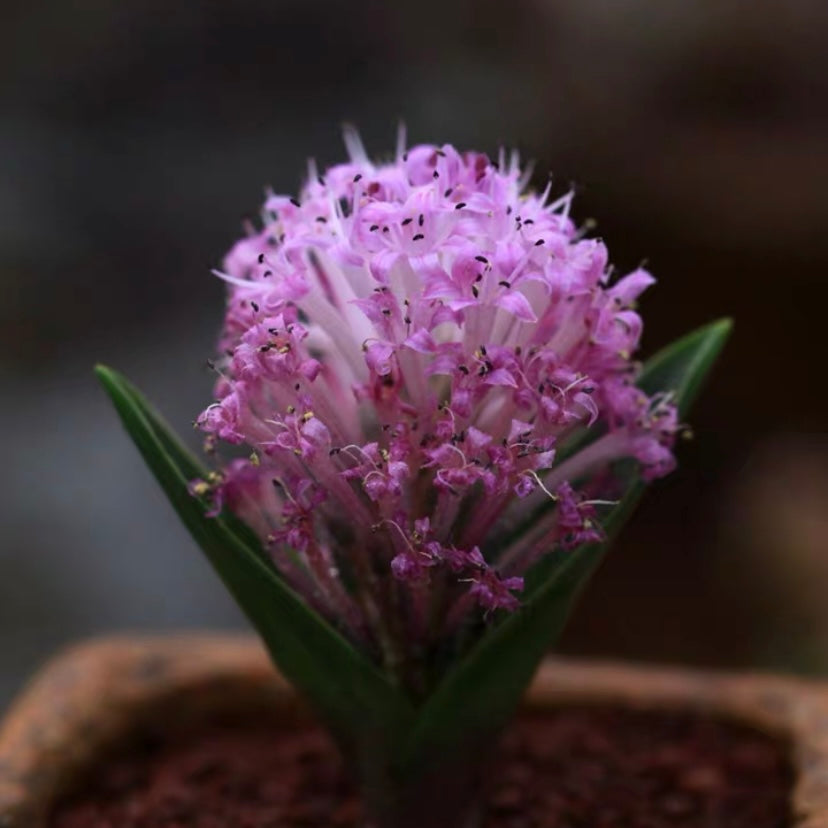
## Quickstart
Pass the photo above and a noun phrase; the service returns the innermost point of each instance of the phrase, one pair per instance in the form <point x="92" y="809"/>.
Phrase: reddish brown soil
<point x="576" y="768"/>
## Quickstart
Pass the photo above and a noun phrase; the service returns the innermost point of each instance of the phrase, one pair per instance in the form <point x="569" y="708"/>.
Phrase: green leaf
<point x="181" y="457"/>
<point x="479" y="695"/>
<point x="683" y="366"/>
<point x="349" y="692"/>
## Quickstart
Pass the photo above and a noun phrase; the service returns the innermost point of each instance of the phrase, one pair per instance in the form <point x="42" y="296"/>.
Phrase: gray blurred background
<point x="136" y="134"/>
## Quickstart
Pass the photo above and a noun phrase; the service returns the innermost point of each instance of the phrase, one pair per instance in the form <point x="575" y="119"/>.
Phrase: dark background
<point x="135" y="134"/>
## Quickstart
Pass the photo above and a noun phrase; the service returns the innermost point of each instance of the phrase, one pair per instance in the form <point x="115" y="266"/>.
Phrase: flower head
<point x="407" y="348"/>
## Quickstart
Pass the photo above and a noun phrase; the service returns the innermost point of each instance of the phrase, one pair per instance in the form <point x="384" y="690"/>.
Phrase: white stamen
<point x="242" y="283"/>
<point x="354" y="145"/>
<point x="534" y="475"/>
<point x="401" y="141"/>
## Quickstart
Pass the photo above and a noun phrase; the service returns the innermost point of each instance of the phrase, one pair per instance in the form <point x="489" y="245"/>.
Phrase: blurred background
<point x="136" y="134"/>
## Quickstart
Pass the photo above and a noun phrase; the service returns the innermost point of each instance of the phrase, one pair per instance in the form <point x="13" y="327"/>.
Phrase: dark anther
<point x="261" y="258"/>
<point x="475" y="292"/>
<point x="357" y="177"/>
<point x="421" y="220"/>
<point x="374" y="227"/>
<point x="448" y="192"/>
<point x="267" y="274"/>
<point x="435" y="174"/>
<point x="254" y="306"/>
<point x="295" y="202"/>
<point x="322" y="219"/>
<point x="482" y="259"/>
<point x="504" y="283"/>
<point x="406" y="222"/>
<point x="417" y="237"/>
<point x="345" y="206"/>
<point x="460" y="205"/>
<point x="539" y="242"/>
<point x="478" y="278"/>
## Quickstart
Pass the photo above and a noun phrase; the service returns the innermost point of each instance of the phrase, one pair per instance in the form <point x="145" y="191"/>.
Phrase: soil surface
<point x="574" y="768"/>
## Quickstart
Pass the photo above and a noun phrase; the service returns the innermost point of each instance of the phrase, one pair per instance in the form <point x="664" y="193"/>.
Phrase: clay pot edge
<point x="90" y="694"/>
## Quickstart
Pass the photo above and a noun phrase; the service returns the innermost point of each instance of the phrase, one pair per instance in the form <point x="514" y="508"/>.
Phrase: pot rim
<point x="91" y="694"/>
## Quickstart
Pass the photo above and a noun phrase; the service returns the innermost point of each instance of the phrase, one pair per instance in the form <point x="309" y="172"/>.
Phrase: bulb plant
<point x="428" y="425"/>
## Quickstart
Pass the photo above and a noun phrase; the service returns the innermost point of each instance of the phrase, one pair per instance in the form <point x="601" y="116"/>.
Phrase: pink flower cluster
<point x="407" y="346"/>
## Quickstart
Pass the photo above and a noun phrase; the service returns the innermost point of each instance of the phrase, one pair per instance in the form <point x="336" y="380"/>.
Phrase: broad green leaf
<point x="479" y="695"/>
<point x="349" y="692"/>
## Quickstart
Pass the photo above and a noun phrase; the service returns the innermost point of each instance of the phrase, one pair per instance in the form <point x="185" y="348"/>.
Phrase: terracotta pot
<point x="97" y="693"/>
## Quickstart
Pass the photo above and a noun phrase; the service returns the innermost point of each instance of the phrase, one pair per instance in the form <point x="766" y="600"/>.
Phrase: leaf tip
<point x="103" y="372"/>
<point x="722" y="328"/>
<point x="717" y="333"/>
<point x="111" y="381"/>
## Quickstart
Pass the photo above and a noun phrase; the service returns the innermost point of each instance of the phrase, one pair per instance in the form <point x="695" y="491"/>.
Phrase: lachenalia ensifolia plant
<point x="430" y="372"/>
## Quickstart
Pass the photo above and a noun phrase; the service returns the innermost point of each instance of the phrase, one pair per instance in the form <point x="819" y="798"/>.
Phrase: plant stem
<point x="440" y="798"/>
